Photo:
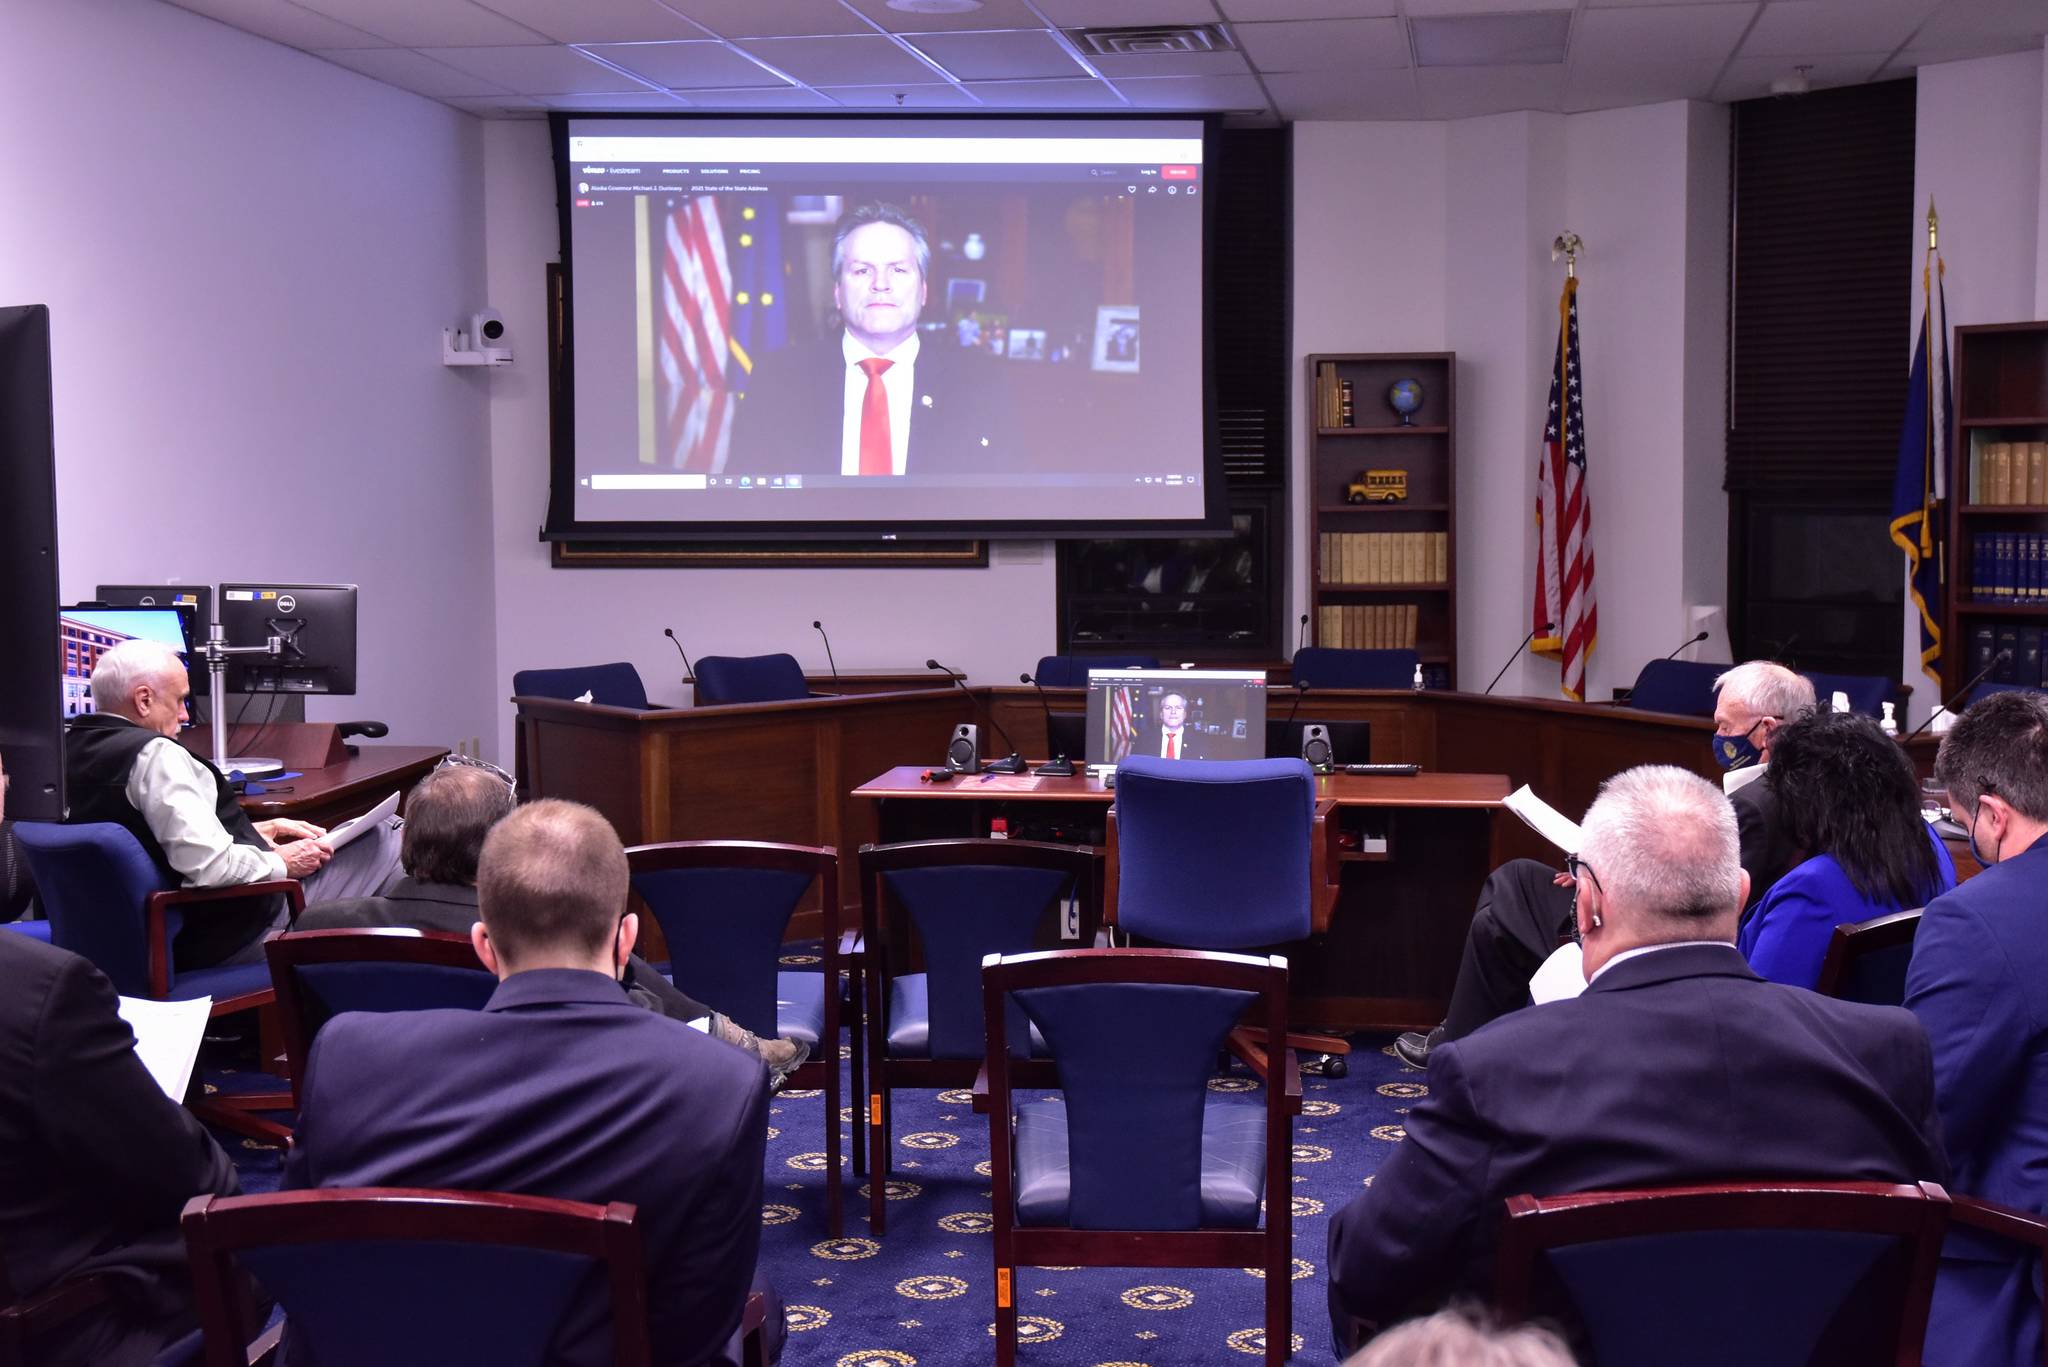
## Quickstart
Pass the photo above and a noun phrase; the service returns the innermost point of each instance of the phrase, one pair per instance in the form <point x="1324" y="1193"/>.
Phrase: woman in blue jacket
<point x="1847" y="794"/>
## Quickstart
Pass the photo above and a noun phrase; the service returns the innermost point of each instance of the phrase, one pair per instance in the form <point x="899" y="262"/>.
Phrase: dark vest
<point x="100" y="750"/>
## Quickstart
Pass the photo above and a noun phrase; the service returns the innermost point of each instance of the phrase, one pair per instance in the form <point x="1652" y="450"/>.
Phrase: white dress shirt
<point x="1741" y="778"/>
<point x="1173" y="744"/>
<point x="898" y="383"/>
<point x="177" y="796"/>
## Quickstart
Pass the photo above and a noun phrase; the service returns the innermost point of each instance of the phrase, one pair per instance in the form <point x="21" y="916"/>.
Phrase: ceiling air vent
<point x="1150" y="41"/>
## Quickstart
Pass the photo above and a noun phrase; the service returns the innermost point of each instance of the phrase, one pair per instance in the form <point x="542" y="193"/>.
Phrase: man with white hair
<point x="123" y="763"/>
<point x="1524" y="910"/>
<point x="1677" y="1064"/>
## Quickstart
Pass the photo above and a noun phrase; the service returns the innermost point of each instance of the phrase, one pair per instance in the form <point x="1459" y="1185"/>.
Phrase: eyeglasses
<point x="1576" y="866"/>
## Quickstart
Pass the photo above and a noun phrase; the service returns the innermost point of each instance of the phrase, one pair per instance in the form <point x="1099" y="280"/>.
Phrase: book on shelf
<point x="1346" y="414"/>
<point x="2027" y="663"/>
<point x="1983" y="647"/>
<point x="2037" y="473"/>
<point x="1371" y="559"/>
<point x="2008" y="670"/>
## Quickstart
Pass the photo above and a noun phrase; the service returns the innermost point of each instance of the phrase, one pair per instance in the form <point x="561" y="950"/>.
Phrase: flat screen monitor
<point x="883" y="327"/>
<point x="86" y="633"/>
<point x="316" y="624"/>
<point x="1187" y="713"/>
<point x="31" y="667"/>
<point x="195" y="600"/>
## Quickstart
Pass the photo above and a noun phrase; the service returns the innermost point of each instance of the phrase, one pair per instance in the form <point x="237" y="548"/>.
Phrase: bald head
<point x="1664" y="853"/>
<point x="551" y="888"/>
<point x="143" y="681"/>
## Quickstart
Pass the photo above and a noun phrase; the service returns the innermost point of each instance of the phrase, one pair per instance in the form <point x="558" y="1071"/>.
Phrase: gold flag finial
<point x="1568" y="245"/>
<point x="1933" y="225"/>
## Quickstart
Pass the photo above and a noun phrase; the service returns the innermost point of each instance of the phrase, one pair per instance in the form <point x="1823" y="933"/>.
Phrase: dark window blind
<point x="1249" y="252"/>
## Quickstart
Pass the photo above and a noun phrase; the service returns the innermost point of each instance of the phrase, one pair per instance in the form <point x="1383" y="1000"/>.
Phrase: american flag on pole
<point x="1121" y="726"/>
<point x="693" y="326"/>
<point x="1564" y="531"/>
<point x="1921" y="483"/>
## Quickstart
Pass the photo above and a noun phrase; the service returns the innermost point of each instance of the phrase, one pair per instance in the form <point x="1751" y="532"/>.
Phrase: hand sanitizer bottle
<point x="1418" y="675"/>
<point x="1890" y="723"/>
<point x="1841" y="701"/>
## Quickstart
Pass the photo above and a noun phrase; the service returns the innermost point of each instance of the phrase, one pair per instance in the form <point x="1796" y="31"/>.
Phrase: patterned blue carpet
<point x="921" y="1296"/>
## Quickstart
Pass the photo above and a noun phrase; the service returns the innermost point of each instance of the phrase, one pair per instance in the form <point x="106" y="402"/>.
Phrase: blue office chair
<point x="931" y="911"/>
<point x="613" y="685"/>
<point x="1866" y="692"/>
<point x="1328" y="667"/>
<point x="1990" y="686"/>
<point x="1222" y="854"/>
<point x="749" y="678"/>
<point x="1071" y="671"/>
<point x="1684" y="688"/>
<point x="1138" y="1165"/>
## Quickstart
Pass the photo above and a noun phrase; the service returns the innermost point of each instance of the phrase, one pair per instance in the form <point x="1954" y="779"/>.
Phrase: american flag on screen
<point x="693" y="325"/>
<point x="1120" y="724"/>
<point x="1564" y="531"/>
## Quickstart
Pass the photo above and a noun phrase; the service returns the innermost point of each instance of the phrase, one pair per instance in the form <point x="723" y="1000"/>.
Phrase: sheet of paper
<point x="1560" y="977"/>
<point x="1544" y="819"/>
<point x="167" y="1036"/>
<point x="338" y="836"/>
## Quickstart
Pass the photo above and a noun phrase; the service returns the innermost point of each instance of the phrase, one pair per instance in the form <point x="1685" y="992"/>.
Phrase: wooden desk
<point x="1399" y="923"/>
<point x="336" y="792"/>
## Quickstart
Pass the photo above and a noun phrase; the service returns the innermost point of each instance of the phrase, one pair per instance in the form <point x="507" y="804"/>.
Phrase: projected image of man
<point x="1170" y="737"/>
<point x="902" y="404"/>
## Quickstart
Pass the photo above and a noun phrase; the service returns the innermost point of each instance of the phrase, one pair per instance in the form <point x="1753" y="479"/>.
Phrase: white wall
<point x="248" y="255"/>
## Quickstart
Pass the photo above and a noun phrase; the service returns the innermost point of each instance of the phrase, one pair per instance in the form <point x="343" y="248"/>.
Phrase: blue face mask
<point x="1739" y="751"/>
<point x="1975" y="853"/>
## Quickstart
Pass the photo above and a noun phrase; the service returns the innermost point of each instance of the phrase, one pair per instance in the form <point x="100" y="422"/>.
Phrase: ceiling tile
<point x="1615" y="39"/>
<point x="780" y="97"/>
<point x="1749" y="78"/>
<point x="2019" y="23"/>
<point x="1324" y="44"/>
<point x="1344" y="95"/>
<point x="1654" y="4"/>
<point x="1194" y="92"/>
<point x="1438" y="9"/>
<point x="870" y="60"/>
<point x="1610" y="85"/>
<point x="1126" y="13"/>
<point x="901" y="96"/>
<point x="1225" y="63"/>
<point x="771" y="18"/>
<point x="993" y="14"/>
<point x="1806" y="28"/>
<point x="597" y="21"/>
<point x="1246" y="10"/>
<point x="700" y="66"/>
<point x="1017" y="54"/>
<point x="618" y="101"/>
<point x="1919" y="54"/>
<point x="408" y="70"/>
<point x="1081" y="94"/>
<point x="443" y="23"/>
<point x="498" y="106"/>
<point x="283" y="22"/>
<point x="1473" y="40"/>
<point x="536" y="70"/>
<point x="1466" y="92"/>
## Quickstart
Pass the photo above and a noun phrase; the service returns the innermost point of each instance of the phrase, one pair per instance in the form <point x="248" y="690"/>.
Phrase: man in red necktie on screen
<point x="904" y="403"/>
<point x="1173" y="740"/>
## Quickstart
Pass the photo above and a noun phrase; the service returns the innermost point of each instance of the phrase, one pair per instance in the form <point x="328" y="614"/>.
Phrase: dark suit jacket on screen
<point x="560" y="1087"/>
<point x="1674" y="1066"/>
<point x="791" y="420"/>
<point x="95" y="1161"/>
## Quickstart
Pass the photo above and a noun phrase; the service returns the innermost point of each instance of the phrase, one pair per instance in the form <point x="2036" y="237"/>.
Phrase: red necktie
<point x="1173" y="746"/>
<point x="875" y="455"/>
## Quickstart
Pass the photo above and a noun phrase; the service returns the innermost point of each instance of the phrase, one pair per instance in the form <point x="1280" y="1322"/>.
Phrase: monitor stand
<point x="253" y="766"/>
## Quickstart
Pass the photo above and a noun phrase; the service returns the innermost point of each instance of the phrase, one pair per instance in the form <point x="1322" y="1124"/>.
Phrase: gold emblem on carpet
<point x="877" y="1357"/>
<point x="778" y="1215"/>
<point x="929" y="1139"/>
<point x="895" y="1190"/>
<point x="1393" y="1134"/>
<point x="1302" y="1268"/>
<point x="968" y="1222"/>
<point x="1253" y="1341"/>
<point x="1158" y="1298"/>
<point x="845" y="1250"/>
<point x="1034" y="1329"/>
<point x="1311" y="1153"/>
<point x="1400" y="1089"/>
<point x="931" y="1288"/>
<point x="801" y="1319"/>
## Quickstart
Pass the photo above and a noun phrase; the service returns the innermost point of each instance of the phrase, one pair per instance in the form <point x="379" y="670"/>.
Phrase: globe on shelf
<point x="1404" y="397"/>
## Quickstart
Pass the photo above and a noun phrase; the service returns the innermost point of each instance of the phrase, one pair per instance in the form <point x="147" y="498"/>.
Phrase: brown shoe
<point x="781" y="1056"/>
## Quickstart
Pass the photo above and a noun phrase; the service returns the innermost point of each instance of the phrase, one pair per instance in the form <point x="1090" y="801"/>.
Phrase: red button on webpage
<point x="1178" y="172"/>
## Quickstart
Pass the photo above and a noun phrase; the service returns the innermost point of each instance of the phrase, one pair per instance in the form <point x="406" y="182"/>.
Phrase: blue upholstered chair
<point x="1071" y="671"/>
<point x="1682" y="687"/>
<point x="1866" y="692"/>
<point x="612" y="685"/>
<point x="749" y="678"/>
<point x="318" y="974"/>
<point x="34" y="929"/>
<point x="1990" y="686"/>
<point x="1768" y="1274"/>
<point x="1222" y="854"/>
<point x="1138" y="1166"/>
<point x="1329" y="667"/>
<point x="1866" y="962"/>
<point x="407" y="1277"/>
<point x="724" y="908"/>
<point x="931" y="910"/>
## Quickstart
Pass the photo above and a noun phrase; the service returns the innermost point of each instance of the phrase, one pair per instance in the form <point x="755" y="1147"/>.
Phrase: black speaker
<point x="1315" y="747"/>
<point x="32" y="698"/>
<point x="963" y="751"/>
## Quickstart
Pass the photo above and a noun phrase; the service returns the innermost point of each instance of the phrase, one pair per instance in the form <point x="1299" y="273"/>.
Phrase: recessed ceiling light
<point x="935" y="6"/>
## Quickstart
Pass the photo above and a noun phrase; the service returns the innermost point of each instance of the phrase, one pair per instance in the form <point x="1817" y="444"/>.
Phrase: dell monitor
<point x="194" y="600"/>
<point x="316" y="628"/>
<point x="1176" y="713"/>
<point x="87" y="632"/>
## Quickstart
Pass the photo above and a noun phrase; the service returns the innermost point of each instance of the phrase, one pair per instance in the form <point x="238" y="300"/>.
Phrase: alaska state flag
<point x="1921" y="482"/>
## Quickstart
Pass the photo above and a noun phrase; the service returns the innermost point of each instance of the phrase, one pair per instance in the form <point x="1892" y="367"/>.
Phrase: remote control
<point x="1385" y="770"/>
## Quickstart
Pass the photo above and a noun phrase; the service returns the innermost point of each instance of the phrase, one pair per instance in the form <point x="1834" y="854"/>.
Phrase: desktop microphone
<point x="1544" y="627"/>
<point x="1300" y="692"/>
<point x="1996" y="660"/>
<point x="1301" y="636"/>
<point x="1059" y="766"/>
<point x="819" y="627"/>
<point x="1014" y="762"/>
<point x="1688" y="641"/>
<point x="688" y="668"/>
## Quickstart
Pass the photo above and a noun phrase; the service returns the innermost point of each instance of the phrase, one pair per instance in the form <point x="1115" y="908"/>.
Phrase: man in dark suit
<point x="1677" y="1064"/>
<point x="1167" y="735"/>
<point x="560" y="1087"/>
<point x="95" y="1161"/>
<point x="1524" y="910"/>
<point x="877" y="398"/>
<point x="1979" y="982"/>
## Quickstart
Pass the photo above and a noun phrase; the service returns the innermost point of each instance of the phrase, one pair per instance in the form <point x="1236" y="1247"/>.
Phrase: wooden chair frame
<point x="821" y="1070"/>
<point x="1077" y="862"/>
<point x="2015" y="1226"/>
<point x="1271" y="1248"/>
<point x="1848" y="942"/>
<point x="25" y="1318"/>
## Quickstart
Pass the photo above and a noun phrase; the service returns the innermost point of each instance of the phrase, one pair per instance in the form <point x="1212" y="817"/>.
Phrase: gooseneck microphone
<point x="1300" y="692"/>
<point x="1543" y="627"/>
<point x="688" y="668"/>
<point x="1013" y="763"/>
<point x="1688" y="641"/>
<point x="1059" y="766"/>
<point x="1301" y="636"/>
<point x="1996" y="660"/>
<point x="819" y="627"/>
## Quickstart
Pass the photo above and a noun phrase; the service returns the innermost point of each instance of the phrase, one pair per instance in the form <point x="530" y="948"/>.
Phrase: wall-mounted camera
<point x="484" y="342"/>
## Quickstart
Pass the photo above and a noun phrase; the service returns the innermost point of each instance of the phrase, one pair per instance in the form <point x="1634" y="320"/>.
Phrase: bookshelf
<point x="1384" y="572"/>
<point x="2001" y="373"/>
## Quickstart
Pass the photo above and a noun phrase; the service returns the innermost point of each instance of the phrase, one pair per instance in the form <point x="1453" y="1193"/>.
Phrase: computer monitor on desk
<point x="315" y="624"/>
<point x="194" y="600"/>
<point x="1184" y="713"/>
<point x="89" y="632"/>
